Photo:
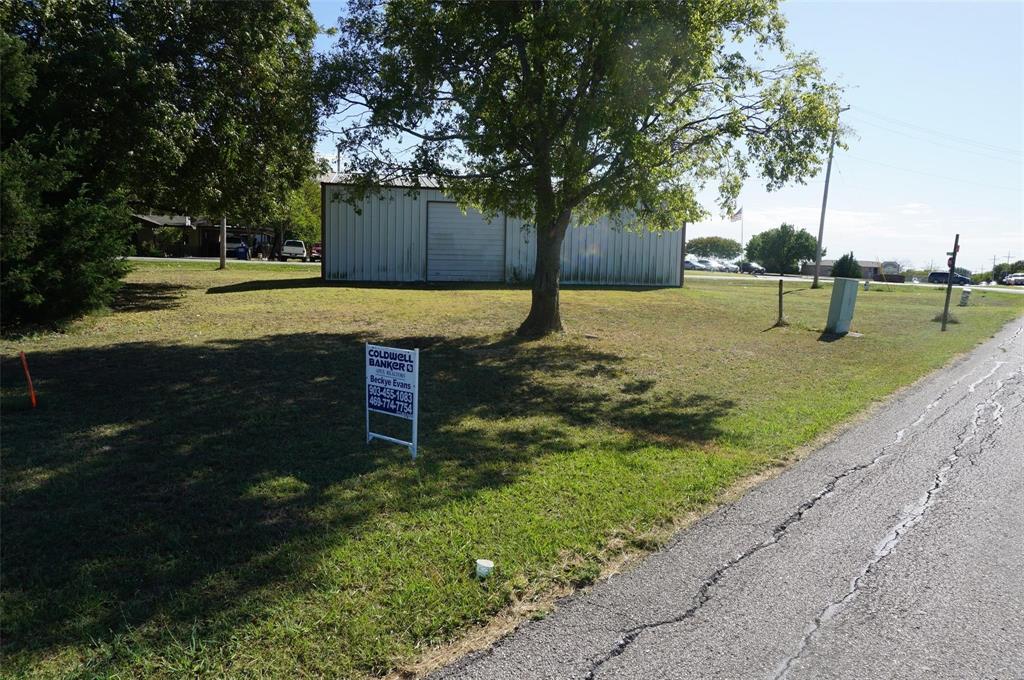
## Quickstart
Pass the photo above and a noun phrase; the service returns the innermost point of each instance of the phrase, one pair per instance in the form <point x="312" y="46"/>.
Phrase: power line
<point x="932" y="174"/>
<point x="940" y="133"/>
<point x="984" y="154"/>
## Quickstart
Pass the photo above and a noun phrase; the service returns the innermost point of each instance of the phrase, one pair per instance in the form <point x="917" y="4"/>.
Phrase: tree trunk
<point x="223" y="243"/>
<point x="545" y="317"/>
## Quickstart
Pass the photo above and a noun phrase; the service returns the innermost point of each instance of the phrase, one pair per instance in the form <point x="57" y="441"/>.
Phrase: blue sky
<point x="937" y="107"/>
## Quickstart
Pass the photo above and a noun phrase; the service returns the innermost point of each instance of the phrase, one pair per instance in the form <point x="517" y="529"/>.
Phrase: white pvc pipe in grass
<point x="484" y="568"/>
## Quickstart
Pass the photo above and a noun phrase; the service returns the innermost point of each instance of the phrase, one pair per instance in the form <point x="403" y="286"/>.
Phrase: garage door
<point x="463" y="247"/>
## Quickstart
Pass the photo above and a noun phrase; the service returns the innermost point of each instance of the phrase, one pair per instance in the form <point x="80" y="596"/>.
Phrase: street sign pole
<point x="949" y="280"/>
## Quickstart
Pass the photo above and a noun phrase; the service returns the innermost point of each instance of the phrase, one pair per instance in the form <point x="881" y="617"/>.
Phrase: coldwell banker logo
<point x="394" y="360"/>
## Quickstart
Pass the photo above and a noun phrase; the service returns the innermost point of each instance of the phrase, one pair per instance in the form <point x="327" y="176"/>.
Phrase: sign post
<point x="949" y="279"/>
<point x="392" y="388"/>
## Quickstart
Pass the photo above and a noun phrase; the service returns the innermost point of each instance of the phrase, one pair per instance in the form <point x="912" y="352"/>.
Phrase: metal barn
<point x="422" y="235"/>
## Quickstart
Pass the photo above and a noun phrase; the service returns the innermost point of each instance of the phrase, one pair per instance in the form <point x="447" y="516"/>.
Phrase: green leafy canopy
<point x="715" y="246"/>
<point x="108" y="107"/>
<point x="541" y="109"/>
<point x="781" y="250"/>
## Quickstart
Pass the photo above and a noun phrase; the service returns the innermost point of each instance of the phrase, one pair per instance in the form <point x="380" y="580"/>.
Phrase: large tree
<point x="781" y="250"/>
<point x="188" y="107"/>
<point x="554" y="110"/>
<point x="715" y="246"/>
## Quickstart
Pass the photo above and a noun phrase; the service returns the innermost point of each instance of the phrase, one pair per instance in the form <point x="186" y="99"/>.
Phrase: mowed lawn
<point x="194" y="494"/>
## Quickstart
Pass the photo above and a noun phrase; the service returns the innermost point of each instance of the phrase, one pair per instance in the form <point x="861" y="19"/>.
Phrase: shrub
<point x="62" y="249"/>
<point x="847" y="267"/>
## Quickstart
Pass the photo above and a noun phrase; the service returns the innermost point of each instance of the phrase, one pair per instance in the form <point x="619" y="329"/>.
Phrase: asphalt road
<point x="895" y="551"/>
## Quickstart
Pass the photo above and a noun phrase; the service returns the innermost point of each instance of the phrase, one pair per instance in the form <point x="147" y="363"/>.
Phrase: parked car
<point x="943" y="277"/>
<point x="1014" y="279"/>
<point x="696" y="265"/>
<point x="315" y="252"/>
<point x="731" y="267"/>
<point x="294" y="249"/>
<point x="751" y="268"/>
<point x="707" y="264"/>
<point x="232" y="245"/>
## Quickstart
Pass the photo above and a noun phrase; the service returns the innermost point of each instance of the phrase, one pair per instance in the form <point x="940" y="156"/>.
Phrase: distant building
<point x="891" y="268"/>
<point x="405" y="233"/>
<point x="182" y="236"/>
<point x="869" y="269"/>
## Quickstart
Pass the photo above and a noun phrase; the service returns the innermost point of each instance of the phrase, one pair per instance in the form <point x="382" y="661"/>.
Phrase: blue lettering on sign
<point x="389" y="400"/>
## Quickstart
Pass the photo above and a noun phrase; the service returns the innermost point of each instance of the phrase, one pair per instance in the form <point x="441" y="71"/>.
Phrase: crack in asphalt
<point x="913" y="516"/>
<point x="704" y="593"/>
<point x="1009" y="341"/>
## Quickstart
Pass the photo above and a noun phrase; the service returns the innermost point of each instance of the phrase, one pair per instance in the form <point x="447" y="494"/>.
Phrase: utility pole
<point x="223" y="243"/>
<point x="949" y="279"/>
<point x="824" y="201"/>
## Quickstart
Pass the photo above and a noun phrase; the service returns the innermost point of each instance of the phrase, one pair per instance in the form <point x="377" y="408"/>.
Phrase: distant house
<point x="184" y="236"/>
<point x="869" y="269"/>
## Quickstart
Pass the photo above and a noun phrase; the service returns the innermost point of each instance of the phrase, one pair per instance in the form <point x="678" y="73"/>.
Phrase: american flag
<point x="736" y="216"/>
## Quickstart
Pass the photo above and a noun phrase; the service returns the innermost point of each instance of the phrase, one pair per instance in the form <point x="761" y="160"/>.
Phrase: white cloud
<point x="914" y="209"/>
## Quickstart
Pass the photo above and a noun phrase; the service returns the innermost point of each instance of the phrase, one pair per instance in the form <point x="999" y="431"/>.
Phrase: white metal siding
<point x="464" y="246"/>
<point x="600" y="254"/>
<point x="388" y="242"/>
<point x="385" y="240"/>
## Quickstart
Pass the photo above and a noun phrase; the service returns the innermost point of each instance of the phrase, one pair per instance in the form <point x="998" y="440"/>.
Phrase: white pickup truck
<point x="294" y="250"/>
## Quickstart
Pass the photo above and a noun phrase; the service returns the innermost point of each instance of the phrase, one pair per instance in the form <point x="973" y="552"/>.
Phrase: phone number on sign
<point x="390" y="400"/>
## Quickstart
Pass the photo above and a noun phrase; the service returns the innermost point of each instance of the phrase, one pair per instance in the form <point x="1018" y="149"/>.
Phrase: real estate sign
<point x="392" y="388"/>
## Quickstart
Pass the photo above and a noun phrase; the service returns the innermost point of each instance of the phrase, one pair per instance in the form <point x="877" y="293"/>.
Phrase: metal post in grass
<point x="949" y="279"/>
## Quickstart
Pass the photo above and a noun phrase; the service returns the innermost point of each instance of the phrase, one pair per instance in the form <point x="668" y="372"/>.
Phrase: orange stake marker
<point x="28" y="377"/>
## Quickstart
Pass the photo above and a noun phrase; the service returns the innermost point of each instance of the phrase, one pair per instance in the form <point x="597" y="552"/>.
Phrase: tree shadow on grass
<point x="147" y="297"/>
<point x="169" y="481"/>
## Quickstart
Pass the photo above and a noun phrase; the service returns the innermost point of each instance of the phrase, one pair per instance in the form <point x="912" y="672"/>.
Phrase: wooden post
<point x="782" y="320"/>
<point x="949" y="280"/>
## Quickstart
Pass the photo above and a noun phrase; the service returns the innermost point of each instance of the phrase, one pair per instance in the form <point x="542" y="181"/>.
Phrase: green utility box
<point x="840" y="309"/>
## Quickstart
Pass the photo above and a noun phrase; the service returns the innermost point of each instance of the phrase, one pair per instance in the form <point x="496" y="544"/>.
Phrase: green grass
<point x="194" y="494"/>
